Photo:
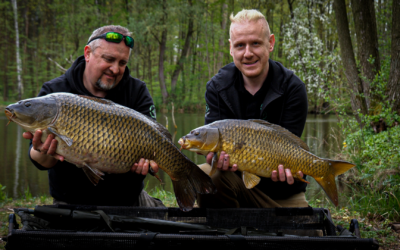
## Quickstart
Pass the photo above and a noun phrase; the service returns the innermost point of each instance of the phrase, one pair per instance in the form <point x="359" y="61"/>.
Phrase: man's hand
<point x="143" y="166"/>
<point x="43" y="153"/>
<point x="284" y="175"/>
<point x="223" y="162"/>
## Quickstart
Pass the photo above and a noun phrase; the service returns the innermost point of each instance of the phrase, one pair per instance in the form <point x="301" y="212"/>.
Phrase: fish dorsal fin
<point x="163" y="130"/>
<point x="99" y="100"/>
<point x="284" y="132"/>
<point x="250" y="180"/>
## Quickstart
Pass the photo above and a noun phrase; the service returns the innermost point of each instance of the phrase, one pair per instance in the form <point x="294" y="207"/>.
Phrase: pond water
<point x="18" y="174"/>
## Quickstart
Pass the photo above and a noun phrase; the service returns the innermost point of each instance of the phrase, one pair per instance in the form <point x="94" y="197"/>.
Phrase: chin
<point x="251" y="74"/>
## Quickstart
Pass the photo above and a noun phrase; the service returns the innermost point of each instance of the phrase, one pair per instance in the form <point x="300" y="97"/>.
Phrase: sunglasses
<point x="115" y="37"/>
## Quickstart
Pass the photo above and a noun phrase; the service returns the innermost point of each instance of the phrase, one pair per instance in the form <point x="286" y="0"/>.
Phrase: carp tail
<point x="186" y="188"/>
<point x="328" y="183"/>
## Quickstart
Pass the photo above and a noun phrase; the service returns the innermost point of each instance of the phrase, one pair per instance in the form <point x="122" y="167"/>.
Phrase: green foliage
<point x="27" y="194"/>
<point x="168" y="198"/>
<point x="3" y="194"/>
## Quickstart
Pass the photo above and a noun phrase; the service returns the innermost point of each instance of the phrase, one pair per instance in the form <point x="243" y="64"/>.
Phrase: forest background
<point x="181" y="44"/>
<point x="347" y="52"/>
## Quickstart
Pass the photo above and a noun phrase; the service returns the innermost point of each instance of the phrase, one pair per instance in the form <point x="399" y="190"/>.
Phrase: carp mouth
<point x="184" y="144"/>
<point x="10" y="114"/>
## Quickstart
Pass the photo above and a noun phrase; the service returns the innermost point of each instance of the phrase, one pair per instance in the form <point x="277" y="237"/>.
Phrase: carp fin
<point x="187" y="187"/>
<point x="93" y="174"/>
<point x="99" y="100"/>
<point x="328" y="184"/>
<point x="250" y="180"/>
<point x="151" y="171"/>
<point x="289" y="135"/>
<point x="340" y="167"/>
<point x="66" y="139"/>
<point x="214" y="164"/>
<point x="163" y="130"/>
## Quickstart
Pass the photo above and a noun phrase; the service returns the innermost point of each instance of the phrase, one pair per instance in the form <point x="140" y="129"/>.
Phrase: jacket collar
<point x="225" y="79"/>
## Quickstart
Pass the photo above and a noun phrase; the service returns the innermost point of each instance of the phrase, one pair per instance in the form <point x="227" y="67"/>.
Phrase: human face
<point x="250" y="47"/>
<point x="105" y="66"/>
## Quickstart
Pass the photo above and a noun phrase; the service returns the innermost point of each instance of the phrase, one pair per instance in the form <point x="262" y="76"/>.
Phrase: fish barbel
<point x="100" y="136"/>
<point x="258" y="147"/>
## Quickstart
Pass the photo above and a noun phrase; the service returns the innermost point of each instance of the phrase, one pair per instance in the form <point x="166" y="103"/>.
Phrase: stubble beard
<point x="103" y="86"/>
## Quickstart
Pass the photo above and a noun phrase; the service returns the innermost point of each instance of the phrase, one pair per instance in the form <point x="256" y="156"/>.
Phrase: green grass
<point x="374" y="208"/>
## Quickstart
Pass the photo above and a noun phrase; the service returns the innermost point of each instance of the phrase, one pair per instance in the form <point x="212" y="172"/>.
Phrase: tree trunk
<point x="161" y="58"/>
<point x="393" y="88"/>
<point x="184" y="51"/>
<point x="150" y="75"/>
<point x="222" y="37"/>
<point x="367" y="40"/>
<point x="18" y="57"/>
<point x="280" y="39"/>
<point x="6" y="43"/>
<point x="206" y="38"/>
<point x="349" y="62"/>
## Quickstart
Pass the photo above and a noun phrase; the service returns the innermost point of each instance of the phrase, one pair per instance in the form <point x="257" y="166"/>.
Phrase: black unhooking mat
<point x="90" y="227"/>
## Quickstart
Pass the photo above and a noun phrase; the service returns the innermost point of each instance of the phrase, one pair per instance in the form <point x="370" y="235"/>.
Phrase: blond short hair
<point x="247" y="16"/>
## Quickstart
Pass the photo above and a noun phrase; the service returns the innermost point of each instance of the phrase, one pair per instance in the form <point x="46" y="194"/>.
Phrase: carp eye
<point x="196" y="133"/>
<point x="27" y="104"/>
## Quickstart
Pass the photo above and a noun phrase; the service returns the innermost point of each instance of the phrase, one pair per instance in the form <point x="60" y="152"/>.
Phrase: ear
<point x="87" y="52"/>
<point x="271" y="42"/>
<point x="230" y="47"/>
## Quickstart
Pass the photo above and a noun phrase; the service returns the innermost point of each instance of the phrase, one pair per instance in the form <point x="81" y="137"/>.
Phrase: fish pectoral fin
<point x="66" y="139"/>
<point x="214" y="164"/>
<point x="298" y="177"/>
<point x="250" y="180"/>
<point x="93" y="174"/>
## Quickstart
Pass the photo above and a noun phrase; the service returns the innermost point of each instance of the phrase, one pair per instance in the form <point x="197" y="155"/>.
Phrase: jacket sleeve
<point x="213" y="112"/>
<point x="295" y="109"/>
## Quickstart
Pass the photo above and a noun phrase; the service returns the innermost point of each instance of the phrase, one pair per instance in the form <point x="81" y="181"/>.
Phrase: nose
<point x="115" y="68"/>
<point x="248" y="52"/>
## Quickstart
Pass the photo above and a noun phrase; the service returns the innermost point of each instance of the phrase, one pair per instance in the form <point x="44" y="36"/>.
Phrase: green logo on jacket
<point x="153" y="111"/>
<point x="207" y="109"/>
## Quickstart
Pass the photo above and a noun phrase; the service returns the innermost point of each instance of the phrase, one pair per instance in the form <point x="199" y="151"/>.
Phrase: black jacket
<point x="69" y="183"/>
<point x="285" y="104"/>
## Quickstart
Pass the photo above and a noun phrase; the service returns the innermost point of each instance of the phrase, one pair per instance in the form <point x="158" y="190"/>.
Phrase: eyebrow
<point x="113" y="58"/>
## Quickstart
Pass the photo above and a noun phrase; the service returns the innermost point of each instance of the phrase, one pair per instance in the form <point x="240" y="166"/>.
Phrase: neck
<point x="91" y="87"/>
<point x="254" y="84"/>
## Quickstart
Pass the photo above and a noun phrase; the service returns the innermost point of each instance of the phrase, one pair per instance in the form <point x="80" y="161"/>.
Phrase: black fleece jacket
<point x="285" y="104"/>
<point x="69" y="183"/>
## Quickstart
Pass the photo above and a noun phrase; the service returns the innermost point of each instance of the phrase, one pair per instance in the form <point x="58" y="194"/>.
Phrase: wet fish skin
<point x="100" y="136"/>
<point x="258" y="147"/>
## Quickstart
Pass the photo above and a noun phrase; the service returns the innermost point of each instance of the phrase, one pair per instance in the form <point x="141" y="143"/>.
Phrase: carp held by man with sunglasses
<point x="103" y="122"/>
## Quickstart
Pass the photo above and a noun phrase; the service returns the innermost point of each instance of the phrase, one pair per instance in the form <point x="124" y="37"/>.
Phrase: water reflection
<point x="18" y="173"/>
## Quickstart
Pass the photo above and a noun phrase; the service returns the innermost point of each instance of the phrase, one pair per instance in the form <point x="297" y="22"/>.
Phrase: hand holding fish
<point x="284" y="175"/>
<point x="143" y="167"/>
<point x="223" y="162"/>
<point x="43" y="153"/>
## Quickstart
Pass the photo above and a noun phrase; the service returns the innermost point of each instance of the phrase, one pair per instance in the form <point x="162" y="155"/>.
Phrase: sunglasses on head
<point x="115" y="37"/>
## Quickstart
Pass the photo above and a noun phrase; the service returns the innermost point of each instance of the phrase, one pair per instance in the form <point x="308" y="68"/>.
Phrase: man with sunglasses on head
<point x="255" y="87"/>
<point x="101" y="72"/>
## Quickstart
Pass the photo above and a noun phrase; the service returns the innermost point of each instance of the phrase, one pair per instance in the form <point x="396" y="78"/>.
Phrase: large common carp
<point x="99" y="136"/>
<point x="258" y="147"/>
